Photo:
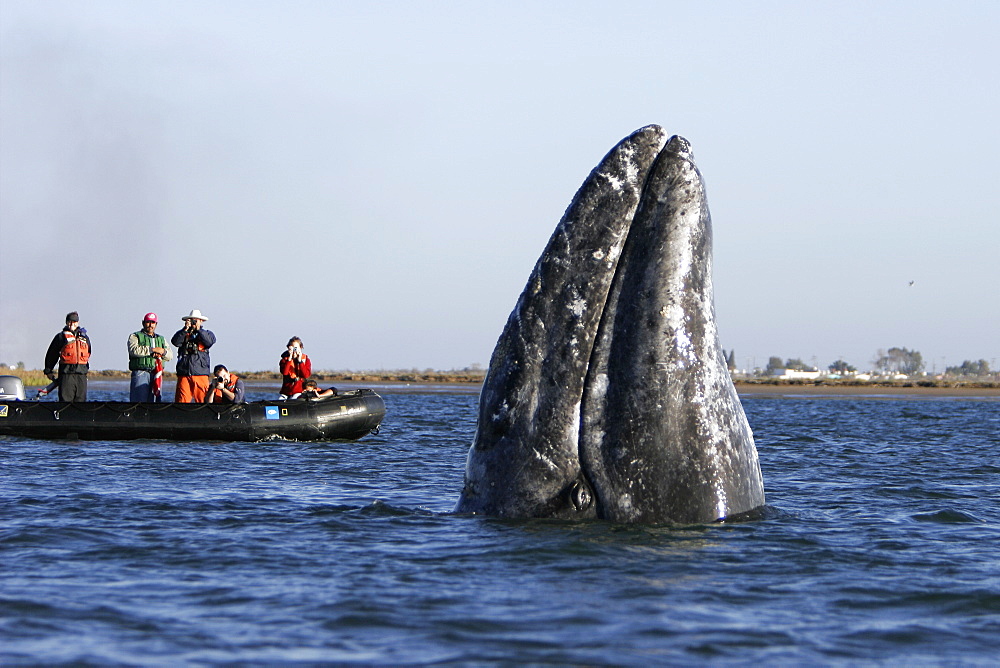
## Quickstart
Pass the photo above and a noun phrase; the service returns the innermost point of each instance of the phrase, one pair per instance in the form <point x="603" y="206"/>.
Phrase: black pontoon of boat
<point x="348" y="415"/>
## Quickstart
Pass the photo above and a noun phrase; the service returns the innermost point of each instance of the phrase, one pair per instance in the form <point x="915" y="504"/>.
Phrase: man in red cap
<point x="147" y="351"/>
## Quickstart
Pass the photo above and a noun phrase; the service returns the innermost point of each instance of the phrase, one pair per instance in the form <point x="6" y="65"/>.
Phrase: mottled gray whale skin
<point x="607" y="394"/>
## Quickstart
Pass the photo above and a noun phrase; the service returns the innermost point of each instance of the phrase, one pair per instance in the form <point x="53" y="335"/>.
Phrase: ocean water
<point x="882" y="547"/>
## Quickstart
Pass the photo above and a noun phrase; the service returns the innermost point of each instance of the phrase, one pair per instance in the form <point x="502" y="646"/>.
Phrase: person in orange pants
<point x="194" y="366"/>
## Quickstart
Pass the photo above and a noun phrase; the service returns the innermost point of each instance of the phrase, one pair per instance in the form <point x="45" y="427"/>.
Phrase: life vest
<point x="231" y="386"/>
<point x="75" y="350"/>
<point x="147" y="363"/>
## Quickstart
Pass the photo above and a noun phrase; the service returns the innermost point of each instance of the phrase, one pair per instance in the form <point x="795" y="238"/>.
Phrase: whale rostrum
<point x="608" y="395"/>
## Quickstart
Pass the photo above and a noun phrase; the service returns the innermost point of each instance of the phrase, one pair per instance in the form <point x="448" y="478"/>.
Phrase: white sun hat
<point x="195" y="314"/>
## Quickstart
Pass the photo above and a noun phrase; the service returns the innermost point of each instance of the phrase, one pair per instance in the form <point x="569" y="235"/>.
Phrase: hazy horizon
<point x="380" y="180"/>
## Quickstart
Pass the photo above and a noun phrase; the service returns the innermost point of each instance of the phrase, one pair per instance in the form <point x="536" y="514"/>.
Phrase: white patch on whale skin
<point x="577" y="306"/>
<point x="615" y="182"/>
<point x="502" y="413"/>
<point x="632" y="170"/>
<point x="600" y="385"/>
<point x="545" y="460"/>
<point x="574" y="432"/>
<point x="722" y="506"/>
<point x="685" y="353"/>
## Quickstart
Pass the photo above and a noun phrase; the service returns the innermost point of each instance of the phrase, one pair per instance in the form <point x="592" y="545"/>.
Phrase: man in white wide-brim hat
<point x="194" y="366"/>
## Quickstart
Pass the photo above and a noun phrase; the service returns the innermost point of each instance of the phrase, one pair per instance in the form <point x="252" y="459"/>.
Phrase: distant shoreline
<point x="870" y="391"/>
<point x="470" y="380"/>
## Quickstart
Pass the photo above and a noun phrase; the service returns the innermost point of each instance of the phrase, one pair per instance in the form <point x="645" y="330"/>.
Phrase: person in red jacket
<point x="295" y="366"/>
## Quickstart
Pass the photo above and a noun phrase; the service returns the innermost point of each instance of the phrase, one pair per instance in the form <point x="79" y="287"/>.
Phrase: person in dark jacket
<point x="71" y="350"/>
<point x="194" y="365"/>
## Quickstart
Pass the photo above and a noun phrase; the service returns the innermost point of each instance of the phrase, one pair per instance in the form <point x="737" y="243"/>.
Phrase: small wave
<point x="377" y="508"/>
<point x="798" y="439"/>
<point x="947" y="517"/>
<point x="917" y="415"/>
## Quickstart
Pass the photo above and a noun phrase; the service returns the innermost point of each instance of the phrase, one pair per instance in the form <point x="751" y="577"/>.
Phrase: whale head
<point x="608" y="395"/>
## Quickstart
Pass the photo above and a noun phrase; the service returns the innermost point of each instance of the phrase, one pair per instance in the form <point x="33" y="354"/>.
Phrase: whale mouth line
<point x="607" y="395"/>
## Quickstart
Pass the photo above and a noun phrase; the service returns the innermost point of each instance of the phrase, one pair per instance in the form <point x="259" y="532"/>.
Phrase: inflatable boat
<point x="348" y="415"/>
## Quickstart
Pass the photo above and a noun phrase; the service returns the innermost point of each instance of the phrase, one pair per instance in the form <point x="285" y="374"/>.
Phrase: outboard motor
<point x="11" y="388"/>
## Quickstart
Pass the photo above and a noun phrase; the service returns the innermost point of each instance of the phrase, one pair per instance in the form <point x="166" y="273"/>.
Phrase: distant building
<point x="885" y="376"/>
<point x="795" y="374"/>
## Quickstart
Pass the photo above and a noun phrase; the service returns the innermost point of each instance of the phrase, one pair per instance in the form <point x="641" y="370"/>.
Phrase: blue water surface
<point x="882" y="547"/>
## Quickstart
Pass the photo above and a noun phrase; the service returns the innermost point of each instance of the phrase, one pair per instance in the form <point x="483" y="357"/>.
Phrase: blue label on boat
<point x="271" y="412"/>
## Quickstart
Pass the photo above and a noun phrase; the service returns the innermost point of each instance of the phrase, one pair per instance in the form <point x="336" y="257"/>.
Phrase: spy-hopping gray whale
<point x="608" y="395"/>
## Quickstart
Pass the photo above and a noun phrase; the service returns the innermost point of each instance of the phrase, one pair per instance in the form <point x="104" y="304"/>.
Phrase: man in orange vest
<point x="226" y="387"/>
<point x="71" y="349"/>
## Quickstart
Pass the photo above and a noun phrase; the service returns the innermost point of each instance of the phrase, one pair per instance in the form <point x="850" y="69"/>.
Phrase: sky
<point x="380" y="178"/>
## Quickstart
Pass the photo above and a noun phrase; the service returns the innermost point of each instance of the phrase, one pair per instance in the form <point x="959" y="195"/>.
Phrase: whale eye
<point x="582" y="496"/>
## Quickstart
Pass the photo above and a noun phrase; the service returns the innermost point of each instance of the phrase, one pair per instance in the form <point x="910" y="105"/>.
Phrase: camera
<point x="219" y="380"/>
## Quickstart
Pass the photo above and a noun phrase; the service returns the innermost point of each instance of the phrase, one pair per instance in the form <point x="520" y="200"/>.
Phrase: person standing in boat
<point x="71" y="350"/>
<point x="226" y="388"/>
<point x="147" y="351"/>
<point x="193" y="362"/>
<point x="295" y="366"/>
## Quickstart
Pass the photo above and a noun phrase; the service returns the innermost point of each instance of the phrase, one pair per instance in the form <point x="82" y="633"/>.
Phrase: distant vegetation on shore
<point x="35" y="378"/>
<point x="894" y="364"/>
<point x="854" y="382"/>
<point x="30" y="377"/>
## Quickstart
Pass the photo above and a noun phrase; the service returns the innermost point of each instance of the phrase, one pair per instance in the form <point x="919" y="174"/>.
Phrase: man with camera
<point x="226" y="388"/>
<point x="193" y="361"/>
